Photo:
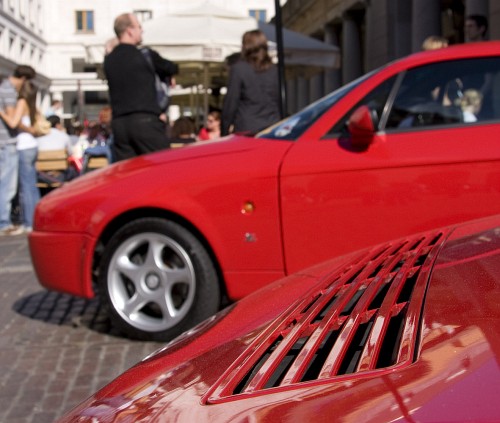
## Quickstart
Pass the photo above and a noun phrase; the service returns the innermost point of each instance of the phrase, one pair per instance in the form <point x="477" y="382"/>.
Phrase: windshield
<point x="294" y="126"/>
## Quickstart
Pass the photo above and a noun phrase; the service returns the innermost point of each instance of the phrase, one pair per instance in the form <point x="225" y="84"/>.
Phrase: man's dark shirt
<point x="137" y="127"/>
<point x="131" y="80"/>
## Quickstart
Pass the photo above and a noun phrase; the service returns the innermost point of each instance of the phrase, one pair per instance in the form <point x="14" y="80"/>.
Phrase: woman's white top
<point x="24" y="139"/>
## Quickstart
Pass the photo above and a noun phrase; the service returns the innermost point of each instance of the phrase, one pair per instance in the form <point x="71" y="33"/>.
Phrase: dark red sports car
<point x="407" y="331"/>
<point x="164" y="237"/>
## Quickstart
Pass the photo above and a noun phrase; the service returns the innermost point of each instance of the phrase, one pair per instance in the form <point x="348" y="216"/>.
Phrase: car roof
<point x="455" y="51"/>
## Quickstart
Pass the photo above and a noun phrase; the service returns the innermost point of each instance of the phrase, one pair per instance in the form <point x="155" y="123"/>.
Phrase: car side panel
<point x="209" y="193"/>
<point x="404" y="182"/>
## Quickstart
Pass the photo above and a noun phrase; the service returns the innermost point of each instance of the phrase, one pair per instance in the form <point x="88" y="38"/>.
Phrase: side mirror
<point x="361" y="127"/>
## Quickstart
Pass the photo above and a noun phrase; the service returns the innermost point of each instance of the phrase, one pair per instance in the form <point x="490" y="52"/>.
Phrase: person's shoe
<point x="15" y="230"/>
<point x="6" y="230"/>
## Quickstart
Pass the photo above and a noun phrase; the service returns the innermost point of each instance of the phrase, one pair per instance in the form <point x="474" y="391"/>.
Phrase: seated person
<point x="56" y="139"/>
<point x="211" y="130"/>
<point x="183" y="131"/>
<point x="471" y="104"/>
<point x="99" y="138"/>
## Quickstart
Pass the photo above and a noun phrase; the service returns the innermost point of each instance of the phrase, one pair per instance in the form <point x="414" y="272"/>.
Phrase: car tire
<point x="157" y="280"/>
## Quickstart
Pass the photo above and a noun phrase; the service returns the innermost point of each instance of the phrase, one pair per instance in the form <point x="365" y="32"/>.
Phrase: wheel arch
<point x="153" y="212"/>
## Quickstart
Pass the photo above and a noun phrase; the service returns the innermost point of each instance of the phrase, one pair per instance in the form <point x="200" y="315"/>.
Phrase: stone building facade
<point x="22" y="40"/>
<point x="371" y="33"/>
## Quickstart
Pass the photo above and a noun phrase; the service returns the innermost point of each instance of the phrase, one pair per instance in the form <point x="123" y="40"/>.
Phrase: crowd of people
<point x="16" y="142"/>
<point x="134" y="78"/>
<point x="136" y="121"/>
<point x="21" y="145"/>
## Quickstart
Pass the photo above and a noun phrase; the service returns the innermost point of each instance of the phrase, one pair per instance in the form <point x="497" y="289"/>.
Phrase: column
<point x="302" y="92"/>
<point x="477" y="7"/>
<point x="426" y="20"/>
<point x="316" y="88"/>
<point x="402" y="28"/>
<point x="351" y="50"/>
<point x="291" y="90"/>
<point x="377" y="34"/>
<point x="494" y="18"/>
<point x="332" y="77"/>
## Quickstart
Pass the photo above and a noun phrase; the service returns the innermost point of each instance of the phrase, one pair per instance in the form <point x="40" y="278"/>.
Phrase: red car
<point x="166" y="237"/>
<point x="405" y="331"/>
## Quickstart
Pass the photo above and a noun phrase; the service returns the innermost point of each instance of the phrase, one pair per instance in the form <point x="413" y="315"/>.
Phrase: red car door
<point x="426" y="166"/>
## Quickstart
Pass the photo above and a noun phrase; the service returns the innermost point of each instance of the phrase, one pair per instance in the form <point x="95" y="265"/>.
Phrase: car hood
<point x="225" y="146"/>
<point x="407" y="330"/>
<point x="144" y="182"/>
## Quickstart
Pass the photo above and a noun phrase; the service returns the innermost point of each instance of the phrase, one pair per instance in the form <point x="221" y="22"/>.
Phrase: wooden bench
<point x="50" y="166"/>
<point x="93" y="162"/>
<point x="96" y="163"/>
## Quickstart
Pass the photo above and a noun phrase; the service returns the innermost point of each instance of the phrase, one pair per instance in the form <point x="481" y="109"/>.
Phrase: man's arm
<point x="164" y="68"/>
<point x="12" y="115"/>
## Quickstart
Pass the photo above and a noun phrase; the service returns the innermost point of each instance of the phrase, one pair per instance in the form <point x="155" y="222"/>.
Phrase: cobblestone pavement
<point x="55" y="349"/>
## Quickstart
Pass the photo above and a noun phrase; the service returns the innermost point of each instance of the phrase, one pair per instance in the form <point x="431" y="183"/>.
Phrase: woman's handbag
<point x="41" y="126"/>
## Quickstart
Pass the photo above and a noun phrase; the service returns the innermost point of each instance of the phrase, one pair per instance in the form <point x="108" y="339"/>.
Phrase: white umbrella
<point x="205" y="34"/>
<point x="198" y="40"/>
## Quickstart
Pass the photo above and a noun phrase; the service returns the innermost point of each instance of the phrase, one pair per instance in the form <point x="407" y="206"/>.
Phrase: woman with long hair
<point x="23" y="116"/>
<point x="252" y="100"/>
<point x="211" y="130"/>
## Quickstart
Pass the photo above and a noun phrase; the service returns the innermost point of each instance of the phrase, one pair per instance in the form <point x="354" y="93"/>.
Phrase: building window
<point x="143" y="15"/>
<point x="259" y="14"/>
<point x="12" y="40"/>
<point x="23" y="49"/>
<point x="85" y="21"/>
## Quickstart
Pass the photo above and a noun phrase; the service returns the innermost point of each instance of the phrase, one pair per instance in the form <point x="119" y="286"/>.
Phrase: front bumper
<point x="63" y="261"/>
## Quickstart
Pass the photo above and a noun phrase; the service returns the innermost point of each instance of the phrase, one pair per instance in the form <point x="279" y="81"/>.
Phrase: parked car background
<point x="404" y="331"/>
<point x="166" y="237"/>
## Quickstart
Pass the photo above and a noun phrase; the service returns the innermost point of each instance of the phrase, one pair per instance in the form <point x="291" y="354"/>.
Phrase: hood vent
<point x="360" y="320"/>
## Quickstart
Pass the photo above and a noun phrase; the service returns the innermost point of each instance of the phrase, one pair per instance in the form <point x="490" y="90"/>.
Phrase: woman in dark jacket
<point x="252" y="100"/>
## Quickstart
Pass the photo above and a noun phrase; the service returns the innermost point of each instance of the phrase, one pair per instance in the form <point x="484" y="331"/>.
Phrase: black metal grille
<point x="363" y="319"/>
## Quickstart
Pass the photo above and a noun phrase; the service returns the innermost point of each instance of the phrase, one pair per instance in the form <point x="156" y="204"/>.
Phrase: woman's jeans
<point x="29" y="193"/>
<point x="8" y="182"/>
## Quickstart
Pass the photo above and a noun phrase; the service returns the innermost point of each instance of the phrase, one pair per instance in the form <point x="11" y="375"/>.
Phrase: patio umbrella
<point x="205" y="34"/>
<point x="198" y="40"/>
<point x="299" y="49"/>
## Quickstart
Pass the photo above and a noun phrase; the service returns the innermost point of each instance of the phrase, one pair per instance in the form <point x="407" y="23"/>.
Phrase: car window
<point x="447" y="93"/>
<point x="294" y="126"/>
<point x="375" y="100"/>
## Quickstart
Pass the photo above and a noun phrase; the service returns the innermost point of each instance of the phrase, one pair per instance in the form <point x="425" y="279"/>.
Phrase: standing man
<point x="9" y="160"/>
<point x="476" y="27"/>
<point x="136" y="125"/>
